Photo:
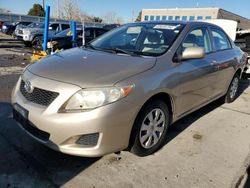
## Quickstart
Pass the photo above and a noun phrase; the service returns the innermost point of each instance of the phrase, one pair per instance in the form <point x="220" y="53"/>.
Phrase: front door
<point x="197" y="76"/>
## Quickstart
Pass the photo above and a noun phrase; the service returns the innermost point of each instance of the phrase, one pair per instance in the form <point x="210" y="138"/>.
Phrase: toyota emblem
<point x="28" y="87"/>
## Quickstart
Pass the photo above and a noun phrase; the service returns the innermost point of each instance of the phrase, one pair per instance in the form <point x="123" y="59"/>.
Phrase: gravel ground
<point x="13" y="58"/>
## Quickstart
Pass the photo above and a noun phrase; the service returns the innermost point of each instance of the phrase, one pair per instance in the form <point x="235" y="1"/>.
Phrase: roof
<point x="173" y="9"/>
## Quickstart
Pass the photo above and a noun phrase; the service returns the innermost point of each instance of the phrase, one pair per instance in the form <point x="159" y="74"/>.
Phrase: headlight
<point x="87" y="99"/>
<point x="49" y="45"/>
<point x="26" y="32"/>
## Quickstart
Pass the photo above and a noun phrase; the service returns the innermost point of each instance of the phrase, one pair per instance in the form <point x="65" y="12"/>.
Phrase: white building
<point x="190" y="14"/>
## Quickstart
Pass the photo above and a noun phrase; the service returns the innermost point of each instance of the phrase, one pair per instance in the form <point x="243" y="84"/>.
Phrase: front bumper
<point x="112" y="123"/>
<point x="27" y="38"/>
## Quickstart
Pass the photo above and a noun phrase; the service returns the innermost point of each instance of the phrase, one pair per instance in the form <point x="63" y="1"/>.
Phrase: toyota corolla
<point x="123" y="90"/>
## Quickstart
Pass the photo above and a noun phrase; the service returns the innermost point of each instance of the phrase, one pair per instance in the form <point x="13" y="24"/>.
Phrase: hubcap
<point x="234" y="87"/>
<point x="152" y="128"/>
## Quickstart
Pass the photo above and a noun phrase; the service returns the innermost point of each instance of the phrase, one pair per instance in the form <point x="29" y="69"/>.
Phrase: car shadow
<point x="247" y="184"/>
<point x="58" y="168"/>
<point x="179" y="126"/>
<point x="54" y="167"/>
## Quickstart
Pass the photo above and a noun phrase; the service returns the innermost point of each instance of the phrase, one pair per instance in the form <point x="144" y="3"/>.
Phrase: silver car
<point x="123" y="90"/>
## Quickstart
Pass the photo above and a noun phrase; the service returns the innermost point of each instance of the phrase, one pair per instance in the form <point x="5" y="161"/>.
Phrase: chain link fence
<point x="9" y="17"/>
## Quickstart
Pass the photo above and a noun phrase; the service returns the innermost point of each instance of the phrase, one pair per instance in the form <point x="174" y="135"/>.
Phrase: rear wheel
<point x="27" y="43"/>
<point x="37" y="43"/>
<point x="233" y="89"/>
<point x="150" y="128"/>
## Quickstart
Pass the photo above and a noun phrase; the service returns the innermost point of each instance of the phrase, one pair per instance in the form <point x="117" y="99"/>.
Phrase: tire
<point x="37" y="43"/>
<point x="232" y="91"/>
<point x="27" y="43"/>
<point x="147" y="137"/>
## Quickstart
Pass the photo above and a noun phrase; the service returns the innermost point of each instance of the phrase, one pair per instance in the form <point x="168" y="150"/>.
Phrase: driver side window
<point x="198" y="38"/>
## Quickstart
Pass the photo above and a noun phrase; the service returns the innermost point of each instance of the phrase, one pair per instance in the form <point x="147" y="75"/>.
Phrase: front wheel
<point x="37" y="43"/>
<point x="150" y="128"/>
<point x="233" y="89"/>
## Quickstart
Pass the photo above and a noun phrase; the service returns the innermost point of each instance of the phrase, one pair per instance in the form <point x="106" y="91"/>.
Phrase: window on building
<point x="184" y="18"/>
<point x="146" y="18"/>
<point x="191" y="18"/>
<point x="220" y="40"/>
<point x="177" y="17"/>
<point x="152" y="18"/>
<point x="158" y="18"/>
<point x="170" y="18"/>
<point x="208" y="17"/>
<point x="199" y="17"/>
<point x="164" y="17"/>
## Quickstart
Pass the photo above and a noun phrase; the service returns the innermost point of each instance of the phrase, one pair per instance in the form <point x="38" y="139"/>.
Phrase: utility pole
<point x="133" y="12"/>
<point x="58" y="9"/>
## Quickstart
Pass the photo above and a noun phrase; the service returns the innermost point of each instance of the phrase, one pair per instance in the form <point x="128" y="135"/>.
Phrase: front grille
<point x="39" y="96"/>
<point x="88" y="140"/>
<point x="30" y="128"/>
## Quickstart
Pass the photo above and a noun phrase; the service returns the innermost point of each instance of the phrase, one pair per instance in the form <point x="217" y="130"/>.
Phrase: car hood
<point x="89" y="68"/>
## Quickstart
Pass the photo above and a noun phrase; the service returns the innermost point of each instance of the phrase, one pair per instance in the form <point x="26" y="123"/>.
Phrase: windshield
<point x="67" y="32"/>
<point x="64" y="33"/>
<point x="35" y="25"/>
<point x="150" y="39"/>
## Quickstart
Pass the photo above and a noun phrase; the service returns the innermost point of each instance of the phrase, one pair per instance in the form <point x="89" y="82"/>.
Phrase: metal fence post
<point x="46" y="28"/>
<point x="73" y="25"/>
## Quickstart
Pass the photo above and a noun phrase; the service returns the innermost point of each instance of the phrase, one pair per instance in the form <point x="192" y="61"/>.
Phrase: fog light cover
<point x="88" y="140"/>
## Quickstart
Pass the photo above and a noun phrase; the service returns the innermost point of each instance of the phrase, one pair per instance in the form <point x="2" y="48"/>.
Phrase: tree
<point x="112" y="18"/>
<point x="70" y="10"/>
<point x="138" y="19"/>
<point x="97" y="19"/>
<point x="36" y="10"/>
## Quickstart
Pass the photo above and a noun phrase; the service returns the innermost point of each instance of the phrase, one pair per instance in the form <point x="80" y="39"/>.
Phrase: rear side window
<point x="220" y="40"/>
<point x="55" y="27"/>
<point x="100" y="32"/>
<point x="198" y="38"/>
<point x="65" y="26"/>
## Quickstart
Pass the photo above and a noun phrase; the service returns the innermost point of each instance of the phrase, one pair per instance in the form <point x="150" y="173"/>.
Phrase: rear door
<point x="224" y="58"/>
<point x="197" y="76"/>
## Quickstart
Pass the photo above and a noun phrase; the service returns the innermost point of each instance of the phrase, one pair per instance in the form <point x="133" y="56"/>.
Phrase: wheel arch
<point x="166" y="98"/>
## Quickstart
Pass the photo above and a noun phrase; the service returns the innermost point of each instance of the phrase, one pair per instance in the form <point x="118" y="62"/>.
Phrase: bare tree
<point x="70" y="10"/>
<point x="111" y="17"/>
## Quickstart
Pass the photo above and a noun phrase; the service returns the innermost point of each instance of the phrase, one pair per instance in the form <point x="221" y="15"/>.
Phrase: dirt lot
<point x="208" y="148"/>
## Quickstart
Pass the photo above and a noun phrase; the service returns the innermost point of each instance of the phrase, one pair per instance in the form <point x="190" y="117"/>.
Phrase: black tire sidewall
<point x="136" y="147"/>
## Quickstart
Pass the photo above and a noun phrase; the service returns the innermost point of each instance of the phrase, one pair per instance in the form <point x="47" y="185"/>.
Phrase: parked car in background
<point x="63" y="40"/>
<point x="20" y="26"/>
<point x="19" y="30"/>
<point x="243" y="42"/>
<point x="124" y="89"/>
<point x="5" y="27"/>
<point x="10" y="28"/>
<point x="33" y="36"/>
<point x="1" y="24"/>
<point x="111" y="26"/>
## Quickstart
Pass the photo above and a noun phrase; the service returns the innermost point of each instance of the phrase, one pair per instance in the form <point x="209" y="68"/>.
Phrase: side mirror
<point x="193" y="53"/>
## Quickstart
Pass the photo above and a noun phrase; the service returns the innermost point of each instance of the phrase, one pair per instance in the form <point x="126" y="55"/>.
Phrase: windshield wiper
<point x="119" y="50"/>
<point x="88" y="45"/>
